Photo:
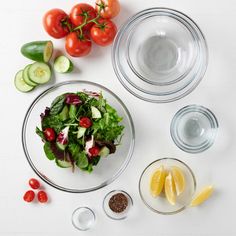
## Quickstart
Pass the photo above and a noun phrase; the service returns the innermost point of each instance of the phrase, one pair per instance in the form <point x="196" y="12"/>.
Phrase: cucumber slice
<point x="63" y="164"/>
<point x="63" y="64"/>
<point x="40" y="51"/>
<point x="26" y="77"/>
<point x="81" y="132"/>
<point x="96" y="114"/>
<point x="20" y="83"/>
<point x="104" y="152"/>
<point x="62" y="147"/>
<point x="39" y="73"/>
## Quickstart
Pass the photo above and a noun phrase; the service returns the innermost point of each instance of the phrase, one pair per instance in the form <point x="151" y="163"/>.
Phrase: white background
<point x="21" y="22"/>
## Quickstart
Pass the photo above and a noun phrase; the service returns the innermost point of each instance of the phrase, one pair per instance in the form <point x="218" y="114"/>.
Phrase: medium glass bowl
<point x="194" y="128"/>
<point x="64" y="179"/>
<point x="160" y="55"/>
<point x="160" y="204"/>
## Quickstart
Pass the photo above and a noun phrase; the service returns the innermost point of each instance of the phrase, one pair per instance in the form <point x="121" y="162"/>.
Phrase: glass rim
<point x="42" y="176"/>
<point x="171" y="212"/>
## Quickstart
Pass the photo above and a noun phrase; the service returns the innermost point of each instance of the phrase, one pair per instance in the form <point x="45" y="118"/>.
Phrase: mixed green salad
<point x="79" y="129"/>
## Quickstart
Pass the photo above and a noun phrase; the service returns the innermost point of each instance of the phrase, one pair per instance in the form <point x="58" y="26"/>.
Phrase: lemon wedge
<point x="179" y="179"/>
<point x="157" y="181"/>
<point x="170" y="189"/>
<point x="202" y="196"/>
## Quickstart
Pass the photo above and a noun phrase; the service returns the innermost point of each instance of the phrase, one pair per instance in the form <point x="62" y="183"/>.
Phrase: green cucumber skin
<point x="35" y="50"/>
<point x="63" y="164"/>
<point x="26" y="77"/>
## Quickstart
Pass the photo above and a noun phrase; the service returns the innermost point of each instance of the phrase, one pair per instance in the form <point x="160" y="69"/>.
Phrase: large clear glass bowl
<point x="160" y="55"/>
<point x="108" y="168"/>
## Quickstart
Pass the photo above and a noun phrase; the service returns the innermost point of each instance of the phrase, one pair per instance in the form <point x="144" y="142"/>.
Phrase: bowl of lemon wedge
<point x="167" y="186"/>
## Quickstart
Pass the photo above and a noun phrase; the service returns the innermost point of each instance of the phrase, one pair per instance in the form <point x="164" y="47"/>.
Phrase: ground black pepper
<point x="118" y="203"/>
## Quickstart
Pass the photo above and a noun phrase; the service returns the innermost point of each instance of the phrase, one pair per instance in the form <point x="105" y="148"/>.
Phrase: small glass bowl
<point x="160" y="55"/>
<point x="194" y="128"/>
<point x="160" y="204"/>
<point x="111" y="214"/>
<point x="83" y="218"/>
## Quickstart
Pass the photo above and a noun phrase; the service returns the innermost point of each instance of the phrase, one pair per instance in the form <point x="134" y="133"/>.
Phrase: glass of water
<point x="194" y="128"/>
<point x="83" y="218"/>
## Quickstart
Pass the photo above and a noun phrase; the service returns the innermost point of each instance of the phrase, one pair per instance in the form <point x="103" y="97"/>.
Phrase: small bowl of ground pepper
<point x="117" y="204"/>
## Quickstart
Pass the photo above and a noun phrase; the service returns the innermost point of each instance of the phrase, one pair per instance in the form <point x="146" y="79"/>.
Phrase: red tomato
<point x="108" y="8"/>
<point x="76" y="46"/>
<point x="34" y="183"/>
<point x="94" y="151"/>
<point x="81" y="12"/>
<point x="29" y="196"/>
<point x="49" y="134"/>
<point x="42" y="197"/>
<point x="54" y="22"/>
<point x="104" y="33"/>
<point x="85" y="122"/>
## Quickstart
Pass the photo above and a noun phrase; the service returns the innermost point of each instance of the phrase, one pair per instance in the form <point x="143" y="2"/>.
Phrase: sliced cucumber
<point x="104" y="152"/>
<point x="63" y="164"/>
<point x="62" y="147"/>
<point x="40" y="51"/>
<point x="39" y="73"/>
<point x="81" y="132"/>
<point x="63" y="64"/>
<point x="96" y="114"/>
<point x="20" y="83"/>
<point x="26" y="77"/>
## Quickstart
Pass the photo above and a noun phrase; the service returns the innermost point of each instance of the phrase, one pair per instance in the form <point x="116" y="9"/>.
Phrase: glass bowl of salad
<point x="78" y="136"/>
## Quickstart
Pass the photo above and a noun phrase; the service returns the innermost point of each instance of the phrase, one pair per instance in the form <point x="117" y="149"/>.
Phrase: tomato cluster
<point x="83" y="25"/>
<point x="30" y="195"/>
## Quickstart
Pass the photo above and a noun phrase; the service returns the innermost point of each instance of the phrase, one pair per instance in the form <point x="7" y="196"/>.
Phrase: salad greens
<point x="79" y="129"/>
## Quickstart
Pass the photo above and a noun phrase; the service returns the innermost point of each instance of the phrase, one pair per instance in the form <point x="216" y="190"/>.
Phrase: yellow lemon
<point x="202" y="196"/>
<point x="157" y="181"/>
<point x="179" y="179"/>
<point x="170" y="189"/>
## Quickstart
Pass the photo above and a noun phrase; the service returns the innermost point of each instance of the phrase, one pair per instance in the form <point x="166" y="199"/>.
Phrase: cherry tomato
<point x="42" y="197"/>
<point x="78" y="46"/>
<point x="85" y="122"/>
<point x="29" y="196"/>
<point x="104" y="33"/>
<point x="81" y="12"/>
<point x="108" y="8"/>
<point x="94" y="151"/>
<point x="49" y="134"/>
<point x="54" y="22"/>
<point x="34" y="183"/>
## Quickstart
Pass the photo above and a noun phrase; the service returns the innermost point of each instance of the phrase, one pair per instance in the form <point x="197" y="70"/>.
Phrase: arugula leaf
<point x="53" y="122"/>
<point x="82" y="161"/>
<point x="40" y="133"/>
<point x="57" y="105"/>
<point x="48" y="151"/>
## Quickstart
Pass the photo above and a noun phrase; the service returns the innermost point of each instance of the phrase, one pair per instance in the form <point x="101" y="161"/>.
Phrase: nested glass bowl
<point x="160" y="55"/>
<point x="160" y="204"/>
<point x="107" y="170"/>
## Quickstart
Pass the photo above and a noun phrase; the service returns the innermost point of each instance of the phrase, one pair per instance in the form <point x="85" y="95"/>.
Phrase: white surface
<point x="20" y="23"/>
